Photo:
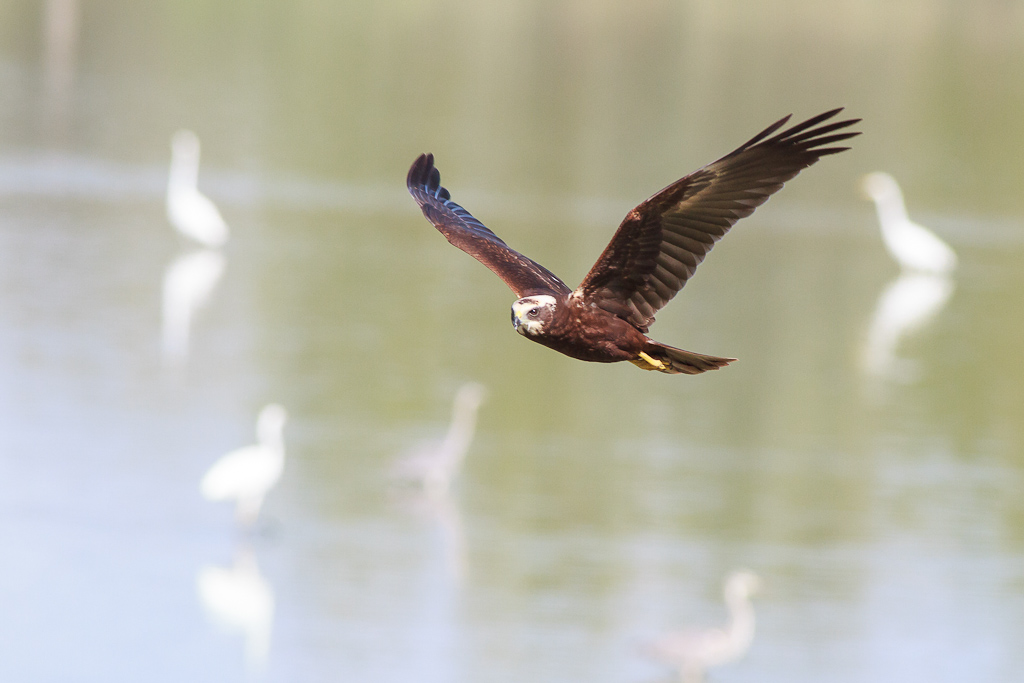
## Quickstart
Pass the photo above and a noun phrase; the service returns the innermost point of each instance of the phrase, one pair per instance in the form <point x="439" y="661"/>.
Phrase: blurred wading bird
<point x="246" y="475"/>
<point x="436" y="465"/>
<point x="693" y="652"/>
<point x="189" y="210"/>
<point x="923" y="288"/>
<point x="652" y="255"/>
<point x="913" y="246"/>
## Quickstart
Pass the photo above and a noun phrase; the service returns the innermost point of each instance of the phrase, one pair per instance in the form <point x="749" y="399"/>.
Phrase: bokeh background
<point x="873" y="478"/>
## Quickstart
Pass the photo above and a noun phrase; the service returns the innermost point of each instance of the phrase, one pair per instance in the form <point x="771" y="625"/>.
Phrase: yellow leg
<point x="646" y="360"/>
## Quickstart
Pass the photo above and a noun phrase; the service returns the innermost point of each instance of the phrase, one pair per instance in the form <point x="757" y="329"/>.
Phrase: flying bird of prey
<point x="651" y="256"/>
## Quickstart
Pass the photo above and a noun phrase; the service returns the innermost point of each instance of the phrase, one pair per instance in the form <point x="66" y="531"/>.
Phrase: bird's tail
<point x="677" y="361"/>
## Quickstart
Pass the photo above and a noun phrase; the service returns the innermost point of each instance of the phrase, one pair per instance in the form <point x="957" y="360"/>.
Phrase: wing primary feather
<point x="819" y="132"/>
<point x="828" y="140"/>
<point x="792" y="132"/>
<point x="765" y="133"/>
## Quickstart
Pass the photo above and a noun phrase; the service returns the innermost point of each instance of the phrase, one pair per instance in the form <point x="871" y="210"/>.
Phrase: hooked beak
<point x="517" y="323"/>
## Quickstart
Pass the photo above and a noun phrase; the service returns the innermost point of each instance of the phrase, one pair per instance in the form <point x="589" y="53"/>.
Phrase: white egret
<point x="247" y="474"/>
<point x="913" y="246"/>
<point x="693" y="652"/>
<point x="436" y="465"/>
<point x="189" y="210"/>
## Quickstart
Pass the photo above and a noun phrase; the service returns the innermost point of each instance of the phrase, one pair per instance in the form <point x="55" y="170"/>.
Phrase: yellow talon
<point x="653" y="362"/>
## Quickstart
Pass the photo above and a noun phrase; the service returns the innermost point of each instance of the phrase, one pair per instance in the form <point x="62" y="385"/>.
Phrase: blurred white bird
<point x="913" y="246"/>
<point x="190" y="211"/>
<point x="436" y="465"/>
<point x="188" y="282"/>
<point x="240" y="599"/>
<point x="247" y="474"/>
<point x="693" y="652"/>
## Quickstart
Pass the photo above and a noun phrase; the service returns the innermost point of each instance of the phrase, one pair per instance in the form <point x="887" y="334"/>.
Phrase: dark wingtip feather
<point x="810" y="137"/>
<point x="766" y="132"/>
<point x="793" y="134"/>
<point x="830" y="150"/>
<point x="424" y="177"/>
<point x="818" y="132"/>
<point x="829" y="139"/>
<point x="417" y="172"/>
<point x="806" y="135"/>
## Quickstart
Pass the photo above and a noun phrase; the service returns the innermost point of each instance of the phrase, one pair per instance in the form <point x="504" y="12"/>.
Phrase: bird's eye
<point x="532" y="312"/>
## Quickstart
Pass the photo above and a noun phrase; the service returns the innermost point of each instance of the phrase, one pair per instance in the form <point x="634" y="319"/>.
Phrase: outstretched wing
<point x="660" y="243"/>
<point x="523" y="276"/>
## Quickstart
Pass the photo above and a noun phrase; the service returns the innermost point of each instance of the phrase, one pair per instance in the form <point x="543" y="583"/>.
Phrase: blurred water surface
<point x="599" y="505"/>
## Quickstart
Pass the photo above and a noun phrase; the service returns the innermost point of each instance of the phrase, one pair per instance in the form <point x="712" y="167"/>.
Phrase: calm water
<point x="872" y="475"/>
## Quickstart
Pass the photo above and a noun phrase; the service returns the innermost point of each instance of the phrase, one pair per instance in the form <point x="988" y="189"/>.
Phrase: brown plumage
<point x="650" y="258"/>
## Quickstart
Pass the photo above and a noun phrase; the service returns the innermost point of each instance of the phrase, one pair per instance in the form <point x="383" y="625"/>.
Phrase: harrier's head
<point x="531" y="313"/>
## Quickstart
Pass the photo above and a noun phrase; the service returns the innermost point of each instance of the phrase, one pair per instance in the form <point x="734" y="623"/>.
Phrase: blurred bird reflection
<point x="693" y="652"/>
<point x="444" y="510"/>
<point x="240" y="600"/>
<point x="907" y="304"/>
<point x="437" y="465"/>
<point x="923" y="288"/>
<point x="188" y="282"/>
<point x="247" y="474"/>
<point x="434" y="467"/>
<point x="190" y="211"/>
